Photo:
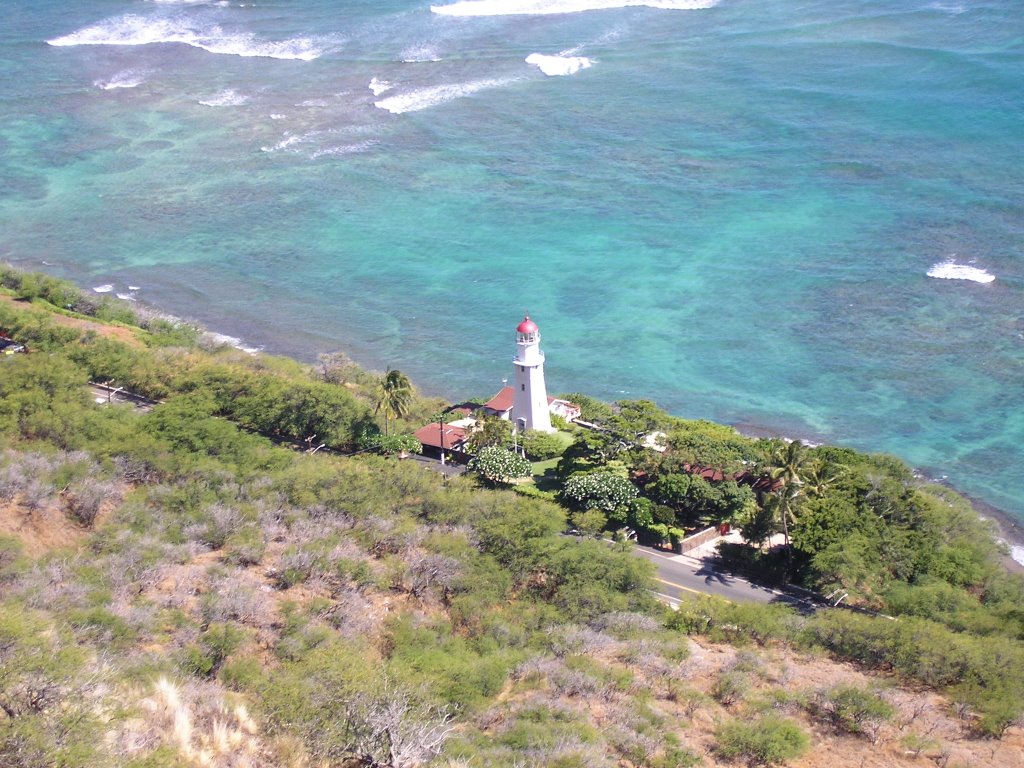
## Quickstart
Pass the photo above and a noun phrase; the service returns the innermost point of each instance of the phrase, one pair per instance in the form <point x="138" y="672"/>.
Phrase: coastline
<point x="1008" y="530"/>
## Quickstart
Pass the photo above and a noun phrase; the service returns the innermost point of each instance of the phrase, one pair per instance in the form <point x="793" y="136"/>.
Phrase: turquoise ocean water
<point x="803" y="215"/>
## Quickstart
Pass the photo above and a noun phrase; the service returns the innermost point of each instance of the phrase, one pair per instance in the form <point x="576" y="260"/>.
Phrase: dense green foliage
<point x="361" y="606"/>
<point x="769" y="740"/>
<point x="499" y="465"/>
<point x="476" y="577"/>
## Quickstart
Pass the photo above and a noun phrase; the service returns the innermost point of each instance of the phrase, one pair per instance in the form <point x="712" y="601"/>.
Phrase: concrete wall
<point x="694" y="541"/>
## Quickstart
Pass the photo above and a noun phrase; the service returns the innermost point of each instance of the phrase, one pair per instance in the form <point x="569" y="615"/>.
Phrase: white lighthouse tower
<point x="530" y="409"/>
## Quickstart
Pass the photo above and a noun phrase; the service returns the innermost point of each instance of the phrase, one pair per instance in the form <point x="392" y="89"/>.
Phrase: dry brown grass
<point x="125" y="335"/>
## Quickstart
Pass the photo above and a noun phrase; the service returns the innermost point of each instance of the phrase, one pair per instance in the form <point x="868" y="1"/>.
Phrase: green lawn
<point x="544" y="471"/>
<point x="544" y="475"/>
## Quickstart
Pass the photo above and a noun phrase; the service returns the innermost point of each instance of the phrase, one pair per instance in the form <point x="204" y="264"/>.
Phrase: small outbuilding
<point x="447" y="440"/>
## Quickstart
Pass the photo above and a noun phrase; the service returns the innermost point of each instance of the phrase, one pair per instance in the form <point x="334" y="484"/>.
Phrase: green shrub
<point x="589" y="522"/>
<point x="769" y="740"/>
<point x="245" y="546"/>
<point x="498" y="465"/>
<point x="245" y="674"/>
<point x="206" y="657"/>
<point x="532" y="491"/>
<point x="541" y="446"/>
<point x="731" y="687"/>
<point x="853" y="710"/>
<point x="605" y="491"/>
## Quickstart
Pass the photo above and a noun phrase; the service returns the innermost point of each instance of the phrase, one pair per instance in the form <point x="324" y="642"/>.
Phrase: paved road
<point x="678" y="575"/>
<point x="101" y="393"/>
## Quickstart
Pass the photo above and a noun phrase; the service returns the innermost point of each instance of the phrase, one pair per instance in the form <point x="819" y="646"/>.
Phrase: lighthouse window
<point x="522" y="387"/>
<point x="522" y="368"/>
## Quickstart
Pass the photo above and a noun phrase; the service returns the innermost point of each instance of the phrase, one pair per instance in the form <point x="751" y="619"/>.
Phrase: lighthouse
<point x="530" y="409"/>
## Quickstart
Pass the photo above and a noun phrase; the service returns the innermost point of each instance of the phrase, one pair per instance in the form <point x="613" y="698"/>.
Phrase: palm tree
<point x="820" y="476"/>
<point x="786" y="465"/>
<point x="394" y="396"/>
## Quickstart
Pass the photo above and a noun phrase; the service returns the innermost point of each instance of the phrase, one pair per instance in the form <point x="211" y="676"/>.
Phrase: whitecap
<point x="312" y="103"/>
<point x="125" y="296"/>
<point x="127" y="79"/>
<point x="315" y="140"/>
<point x="954" y="9"/>
<point x="345" y="149"/>
<point x="423" y="98"/>
<point x="228" y="98"/>
<point x="131" y="29"/>
<point x="546" y="7"/>
<point x="105" y="288"/>
<point x="418" y="54"/>
<point x="134" y="287"/>
<point x="286" y="142"/>
<point x="950" y="270"/>
<point x="560" y="65"/>
<point x="277" y="116"/>
<point x="377" y="87"/>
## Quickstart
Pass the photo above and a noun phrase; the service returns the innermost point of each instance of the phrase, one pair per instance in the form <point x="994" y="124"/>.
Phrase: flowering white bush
<point x="499" y="465"/>
<point x="599" y="490"/>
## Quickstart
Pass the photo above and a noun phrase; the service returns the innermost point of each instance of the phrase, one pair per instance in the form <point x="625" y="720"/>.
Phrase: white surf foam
<point x="377" y="87"/>
<point x="1017" y="553"/>
<point x="131" y="29"/>
<point x="125" y="296"/>
<point x="546" y="7"/>
<point x="424" y="98"/>
<point x="287" y="141"/>
<point x="315" y="144"/>
<point x="345" y="149"/>
<point x="560" y="65"/>
<point x="954" y="9"/>
<point x="277" y="116"/>
<point x="228" y="98"/>
<point x="105" y="288"/>
<point x="231" y="341"/>
<point x="134" y="287"/>
<point x="420" y="53"/>
<point x="951" y="270"/>
<point x="130" y="78"/>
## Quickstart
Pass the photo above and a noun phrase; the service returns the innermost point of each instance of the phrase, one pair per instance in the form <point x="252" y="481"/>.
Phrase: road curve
<point x="679" y="575"/>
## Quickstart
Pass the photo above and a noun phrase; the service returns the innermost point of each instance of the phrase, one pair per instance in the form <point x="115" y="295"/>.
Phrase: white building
<point x="526" y="403"/>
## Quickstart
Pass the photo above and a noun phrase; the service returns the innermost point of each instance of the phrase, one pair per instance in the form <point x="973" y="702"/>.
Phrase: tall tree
<point x="786" y="465"/>
<point x="394" y="396"/>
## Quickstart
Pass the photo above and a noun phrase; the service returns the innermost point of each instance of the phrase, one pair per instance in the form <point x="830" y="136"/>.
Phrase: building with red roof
<point x="449" y="439"/>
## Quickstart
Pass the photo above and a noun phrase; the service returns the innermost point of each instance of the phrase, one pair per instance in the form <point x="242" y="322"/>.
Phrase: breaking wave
<point x="420" y="53"/>
<point x="131" y="29"/>
<point x="424" y="98"/>
<point x="127" y="79"/>
<point x="313" y="143"/>
<point x="377" y="87"/>
<point x="545" y="7"/>
<point x="950" y="270"/>
<point x="228" y="98"/>
<point x="557" y="66"/>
